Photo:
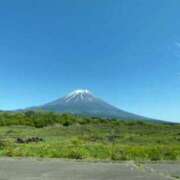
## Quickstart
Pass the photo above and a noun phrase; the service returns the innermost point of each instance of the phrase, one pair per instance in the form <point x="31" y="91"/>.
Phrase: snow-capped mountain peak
<point x="79" y="95"/>
<point x="80" y="91"/>
<point x="83" y="102"/>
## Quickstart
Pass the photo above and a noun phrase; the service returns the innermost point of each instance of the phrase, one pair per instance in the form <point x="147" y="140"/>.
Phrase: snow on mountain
<point x="79" y="95"/>
<point x="83" y="102"/>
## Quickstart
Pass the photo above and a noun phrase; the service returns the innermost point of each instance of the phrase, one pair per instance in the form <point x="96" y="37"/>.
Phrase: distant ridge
<point x="83" y="102"/>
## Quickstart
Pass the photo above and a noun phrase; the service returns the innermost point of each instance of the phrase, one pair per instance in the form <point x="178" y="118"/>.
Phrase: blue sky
<point x="127" y="52"/>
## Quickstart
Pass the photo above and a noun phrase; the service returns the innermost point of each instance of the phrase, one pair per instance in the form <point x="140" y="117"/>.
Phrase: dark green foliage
<point x="35" y="119"/>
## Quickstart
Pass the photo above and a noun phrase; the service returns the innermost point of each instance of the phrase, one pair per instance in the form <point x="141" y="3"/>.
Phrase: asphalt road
<point x="54" y="169"/>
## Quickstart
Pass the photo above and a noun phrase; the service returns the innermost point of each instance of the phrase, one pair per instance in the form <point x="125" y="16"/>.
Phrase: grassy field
<point x="73" y="137"/>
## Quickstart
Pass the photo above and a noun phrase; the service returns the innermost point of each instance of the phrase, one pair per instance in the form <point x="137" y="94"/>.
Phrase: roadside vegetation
<point x="42" y="134"/>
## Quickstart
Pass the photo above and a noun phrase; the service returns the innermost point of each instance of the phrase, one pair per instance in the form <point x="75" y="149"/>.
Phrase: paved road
<point x="54" y="169"/>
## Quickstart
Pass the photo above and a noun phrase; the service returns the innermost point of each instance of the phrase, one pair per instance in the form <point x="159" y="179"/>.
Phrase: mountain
<point x="83" y="102"/>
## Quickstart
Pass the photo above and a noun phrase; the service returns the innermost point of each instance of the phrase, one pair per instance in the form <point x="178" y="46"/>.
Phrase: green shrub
<point x="70" y="136"/>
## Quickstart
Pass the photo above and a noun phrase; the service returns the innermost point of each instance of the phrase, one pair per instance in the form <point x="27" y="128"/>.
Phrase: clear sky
<point x="125" y="51"/>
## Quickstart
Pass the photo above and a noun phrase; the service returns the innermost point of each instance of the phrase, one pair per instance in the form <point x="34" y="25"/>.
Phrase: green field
<point x="73" y="137"/>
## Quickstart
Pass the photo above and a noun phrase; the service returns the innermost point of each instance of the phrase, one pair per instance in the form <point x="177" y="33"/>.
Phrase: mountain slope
<point x="83" y="102"/>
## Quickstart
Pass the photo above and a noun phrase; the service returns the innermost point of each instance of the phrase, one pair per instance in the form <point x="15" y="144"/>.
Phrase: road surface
<point x="54" y="169"/>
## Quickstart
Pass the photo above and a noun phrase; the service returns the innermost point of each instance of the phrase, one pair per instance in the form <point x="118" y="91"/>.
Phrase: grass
<point x="75" y="137"/>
